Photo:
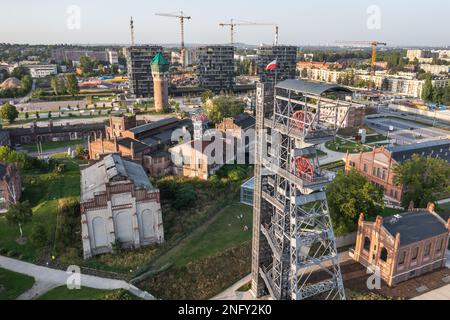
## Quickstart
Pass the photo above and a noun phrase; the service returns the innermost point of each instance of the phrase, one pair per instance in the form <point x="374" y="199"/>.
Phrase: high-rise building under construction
<point x="216" y="68"/>
<point x="286" y="57"/>
<point x="294" y="250"/>
<point x="139" y="59"/>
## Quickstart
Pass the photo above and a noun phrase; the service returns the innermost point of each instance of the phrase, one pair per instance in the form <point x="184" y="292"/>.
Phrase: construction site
<point x="294" y="250"/>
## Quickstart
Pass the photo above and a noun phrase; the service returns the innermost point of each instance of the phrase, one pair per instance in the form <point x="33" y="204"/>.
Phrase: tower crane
<point x="374" y="45"/>
<point x="234" y="23"/>
<point x="182" y="18"/>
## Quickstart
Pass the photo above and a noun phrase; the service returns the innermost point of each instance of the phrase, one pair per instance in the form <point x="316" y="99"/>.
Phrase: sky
<point x="312" y="22"/>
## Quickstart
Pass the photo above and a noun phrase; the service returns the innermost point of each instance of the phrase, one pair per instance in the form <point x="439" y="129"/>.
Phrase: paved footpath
<point x="47" y="279"/>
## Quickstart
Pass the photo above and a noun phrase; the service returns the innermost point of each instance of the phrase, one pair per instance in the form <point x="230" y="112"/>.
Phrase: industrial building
<point x="139" y="59"/>
<point x="403" y="246"/>
<point x="378" y="165"/>
<point x="118" y="205"/>
<point x="216" y="68"/>
<point x="294" y="249"/>
<point x="286" y="57"/>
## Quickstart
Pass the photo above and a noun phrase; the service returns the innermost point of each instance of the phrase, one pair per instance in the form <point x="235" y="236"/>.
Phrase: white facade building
<point x="113" y="57"/>
<point x="435" y="69"/>
<point x="42" y="70"/>
<point x="118" y="205"/>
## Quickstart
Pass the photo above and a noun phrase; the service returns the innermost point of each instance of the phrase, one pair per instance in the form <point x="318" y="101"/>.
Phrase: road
<point x="47" y="279"/>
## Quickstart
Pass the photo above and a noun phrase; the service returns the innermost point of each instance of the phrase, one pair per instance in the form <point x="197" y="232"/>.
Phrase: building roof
<point x="137" y="145"/>
<point x="309" y="87"/>
<point x="244" y="121"/>
<point x="111" y="168"/>
<point x="430" y="148"/>
<point x="159" y="59"/>
<point x="414" y="226"/>
<point x="153" y="125"/>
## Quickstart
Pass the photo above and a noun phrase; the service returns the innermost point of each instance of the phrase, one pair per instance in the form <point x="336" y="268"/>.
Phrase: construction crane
<point x="182" y="17"/>
<point x="374" y="45"/>
<point x="234" y="23"/>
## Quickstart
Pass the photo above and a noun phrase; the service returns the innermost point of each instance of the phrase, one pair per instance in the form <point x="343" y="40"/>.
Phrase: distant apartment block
<point x="140" y="77"/>
<point x="286" y="57"/>
<point x="423" y="56"/>
<point x="113" y="57"/>
<point x="42" y="70"/>
<point x="435" y="69"/>
<point x="61" y="55"/>
<point x="216" y="68"/>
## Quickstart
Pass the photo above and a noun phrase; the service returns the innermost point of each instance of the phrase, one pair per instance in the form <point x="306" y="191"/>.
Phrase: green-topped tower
<point x="160" y="72"/>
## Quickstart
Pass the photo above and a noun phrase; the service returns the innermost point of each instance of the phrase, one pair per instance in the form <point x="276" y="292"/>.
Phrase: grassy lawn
<point x="43" y="191"/>
<point x="224" y="232"/>
<point x="52" y="145"/>
<point x="376" y="138"/>
<point x="13" y="284"/>
<point x="341" y="145"/>
<point x="62" y="293"/>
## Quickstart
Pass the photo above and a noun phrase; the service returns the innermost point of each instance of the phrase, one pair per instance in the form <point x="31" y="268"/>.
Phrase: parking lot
<point x="405" y="132"/>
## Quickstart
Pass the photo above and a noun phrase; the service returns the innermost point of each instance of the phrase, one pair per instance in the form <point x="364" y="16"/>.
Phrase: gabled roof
<point x="244" y="121"/>
<point x="153" y="125"/>
<point x="415" y="226"/>
<point x="430" y="148"/>
<point x="112" y="167"/>
<point x="309" y="87"/>
<point x="137" y="145"/>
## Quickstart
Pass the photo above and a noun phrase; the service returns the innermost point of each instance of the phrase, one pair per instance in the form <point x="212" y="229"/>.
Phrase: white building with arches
<point x="119" y="205"/>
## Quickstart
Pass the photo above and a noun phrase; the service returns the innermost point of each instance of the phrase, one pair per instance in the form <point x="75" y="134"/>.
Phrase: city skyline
<point x="101" y="24"/>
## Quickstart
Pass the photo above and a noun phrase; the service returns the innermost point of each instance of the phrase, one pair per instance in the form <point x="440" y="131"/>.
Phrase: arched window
<point x="367" y="244"/>
<point x="384" y="255"/>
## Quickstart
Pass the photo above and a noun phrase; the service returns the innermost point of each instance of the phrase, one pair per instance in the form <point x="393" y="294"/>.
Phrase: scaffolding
<point x="294" y="250"/>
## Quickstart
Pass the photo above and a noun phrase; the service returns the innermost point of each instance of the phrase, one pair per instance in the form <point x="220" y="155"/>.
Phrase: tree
<point x="207" y="95"/>
<point x="427" y="91"/>
<point x="223" y="107"/>
<point x="19" y="213"/>
<point x="348" y="196"/>
<point x="20" y="72"/>
<point x="422" y="178"/>
<point x="54" y="85"/>
<point x="304" y="73"/>
<point x="8" y="112"/>
<point x="72" y="84"/>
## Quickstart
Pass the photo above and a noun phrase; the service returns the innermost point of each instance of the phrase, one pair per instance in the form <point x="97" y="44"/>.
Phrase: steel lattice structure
<point x="294" y="249"/>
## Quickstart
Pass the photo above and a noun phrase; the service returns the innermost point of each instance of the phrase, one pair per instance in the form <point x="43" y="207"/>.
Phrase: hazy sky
<point x="401" y="22"/>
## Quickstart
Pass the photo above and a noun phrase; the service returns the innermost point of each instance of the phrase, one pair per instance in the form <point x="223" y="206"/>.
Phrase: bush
<point x="39" y="235"/>
<point x="185" y="197"/>
<point x="3" y="251"/>
<point x="11" y="254"/>
<point x="68" y="225"/>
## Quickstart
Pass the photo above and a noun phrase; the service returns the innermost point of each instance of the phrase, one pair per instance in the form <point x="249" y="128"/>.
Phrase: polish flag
<point x="272" y="66"/>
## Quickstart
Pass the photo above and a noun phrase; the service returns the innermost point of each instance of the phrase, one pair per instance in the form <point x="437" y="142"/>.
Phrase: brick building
<point x="403" y="246"/>
<point x="146" y="143"/>
<point x="118" y="204"/>
<point x="53" y="132"/>
<point x="378" y="165"/>
<point x="10" y="186"/>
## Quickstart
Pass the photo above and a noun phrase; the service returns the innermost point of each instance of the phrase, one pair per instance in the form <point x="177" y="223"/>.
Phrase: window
<point x="440" y="244"/>
<point x="384" y="175"/>
<point x="384" y="255"/>
<point x="415" y="254"/>
<point x="401" y="260"/>
<point x="427" y="250"/>
<point x="378" y="173"/>
<point x="367" y="244"/>
<point x="374" y="172"/>
<point x="365" y="167"/>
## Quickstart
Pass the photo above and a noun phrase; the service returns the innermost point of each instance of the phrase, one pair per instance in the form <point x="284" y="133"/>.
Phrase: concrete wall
<point x="346" y="241"/>
<point x="440" y="115"/>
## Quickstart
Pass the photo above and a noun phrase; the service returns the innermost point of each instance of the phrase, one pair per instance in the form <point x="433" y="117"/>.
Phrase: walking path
<point x="331" y="156"/>
<point x="438" y="294"/>
<point x="232" y="294"/>
<point x="47" y="279"/>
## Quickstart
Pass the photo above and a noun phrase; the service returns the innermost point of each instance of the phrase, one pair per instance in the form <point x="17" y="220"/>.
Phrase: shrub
<point x="68" y="224"/>
<point x="185" y="197"/>
<point x="11" y="254"/>
<point x="39" y="235"/>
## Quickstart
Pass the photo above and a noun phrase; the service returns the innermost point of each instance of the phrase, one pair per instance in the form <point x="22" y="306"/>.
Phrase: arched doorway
<point x="148" y="228"/>
<point x="124" y="227"/>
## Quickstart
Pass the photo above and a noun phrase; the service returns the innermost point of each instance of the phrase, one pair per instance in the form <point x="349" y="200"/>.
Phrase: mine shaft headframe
<point x="313" y="106"/>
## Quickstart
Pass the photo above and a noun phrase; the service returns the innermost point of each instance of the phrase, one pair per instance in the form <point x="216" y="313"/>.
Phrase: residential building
<point x="113" y="57"/>
<point x="216" y="68"/>
<point x="62" y="55"/>
<point x="10" y="185"/>
<point x="286" y="57"/>
<point x="378" y="165"/>
<point x="440" y="82"/>
<point x="435" y="69"/>
<point x="119" y="205"/>
<point x="423" y="56"/>
<point x="140" y="77"/>
<point x="407" y="87"/>
<point x="42" y="70"/>
<point x="403" y="246"/>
